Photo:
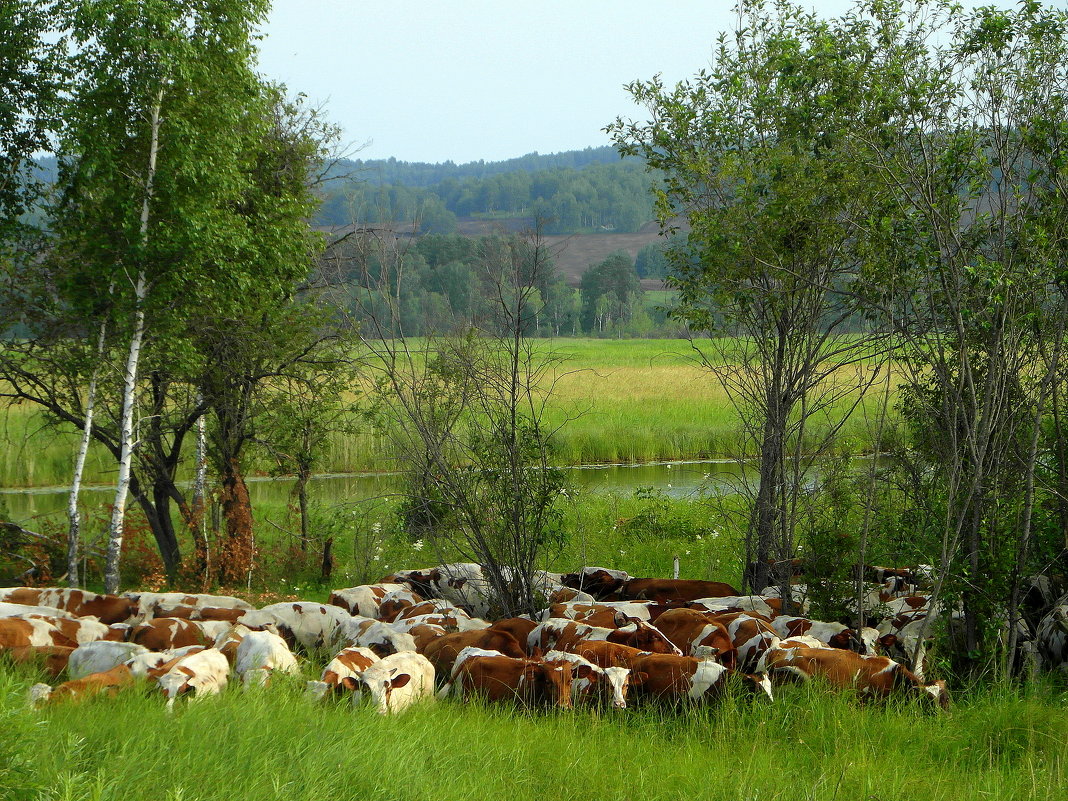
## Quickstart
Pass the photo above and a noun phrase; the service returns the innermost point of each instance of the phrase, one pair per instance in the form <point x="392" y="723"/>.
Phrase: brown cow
<point x="561" y="634"/>
<point x="495" y="677"/>
<point x="53" y="658"/>
<point x="600" y="582"/>
<point x="871" y="676"/>
<point x="424" y="634"/>
<point x="689" y="629"/>
<point x="443" y="651"/>
<point x="752" y="635"/>
<point x="518" y="627"/>
<point x="606" y="654"/>
<point x="108" y="682"/>
<point x="673" y="590"/>
<point x="18" y="632"/>
<point x="666" y="677"/>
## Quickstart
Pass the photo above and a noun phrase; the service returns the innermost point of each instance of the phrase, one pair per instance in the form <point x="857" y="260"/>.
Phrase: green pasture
<point x="616" y="401"/>
<point x="274" y="744"/>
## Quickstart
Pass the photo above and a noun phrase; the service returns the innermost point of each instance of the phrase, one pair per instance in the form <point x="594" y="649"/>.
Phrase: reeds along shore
<point x="615" y="401"/>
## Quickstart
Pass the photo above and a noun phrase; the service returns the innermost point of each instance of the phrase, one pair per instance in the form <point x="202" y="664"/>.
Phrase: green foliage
<point x="611" y="295"/>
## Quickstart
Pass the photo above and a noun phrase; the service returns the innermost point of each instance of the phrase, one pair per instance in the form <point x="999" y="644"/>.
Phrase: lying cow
<point x="363" y="600"/>
<point x="107" y="683"/>
<point x="870" y="676"/>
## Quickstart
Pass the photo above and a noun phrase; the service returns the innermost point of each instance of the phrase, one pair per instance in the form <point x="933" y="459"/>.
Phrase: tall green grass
<point x="273" y="744"/>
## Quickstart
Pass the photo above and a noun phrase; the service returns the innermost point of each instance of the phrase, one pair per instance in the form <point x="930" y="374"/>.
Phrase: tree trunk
<point x="118" y="511"/>
<point x="762" y="537"/>
<point x="74" y="533"/>
<point x="238" y="551"/>
<point x="199" y="521"/>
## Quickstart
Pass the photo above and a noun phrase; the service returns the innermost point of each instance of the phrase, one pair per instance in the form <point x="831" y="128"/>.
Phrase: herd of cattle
<point x="606" y="637"/>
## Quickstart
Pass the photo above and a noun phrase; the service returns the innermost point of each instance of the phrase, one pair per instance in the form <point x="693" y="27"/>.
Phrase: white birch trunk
<point x="200" y="484"/>
<point x="74" y="532"/>
<point x="118" y="512"/>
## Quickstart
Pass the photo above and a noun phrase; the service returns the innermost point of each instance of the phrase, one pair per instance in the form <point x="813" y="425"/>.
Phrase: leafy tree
<point x="611" y="293"/>
<point x="755" y="154"/>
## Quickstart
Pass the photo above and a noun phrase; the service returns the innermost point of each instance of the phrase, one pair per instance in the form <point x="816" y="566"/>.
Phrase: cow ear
<point x="349" y="683"/>
<point x="536" y="653"/>
<point x="584" y="672"/>
<point x="638" y="677"/>
<point x="400" y="680"/>
<point x="619" y="619"/>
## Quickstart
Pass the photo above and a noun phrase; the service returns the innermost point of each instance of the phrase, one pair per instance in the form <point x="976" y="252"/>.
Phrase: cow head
<point x="381" y="686"/>
<point x="935" y="693"/>
<point x="618" y="679"/>
<point x="552" y="681"/>
<point x="757" y="685"/>
<point x="647" y="638"/>
<point x="38" y="694"/>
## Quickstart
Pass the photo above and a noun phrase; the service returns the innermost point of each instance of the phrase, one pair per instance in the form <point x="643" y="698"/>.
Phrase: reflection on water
<point x="677" y="479"/>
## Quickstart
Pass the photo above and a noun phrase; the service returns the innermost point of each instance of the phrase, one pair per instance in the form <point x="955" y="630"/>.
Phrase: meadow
<point x="274" y="744"/>
<point x="632" y="400"/>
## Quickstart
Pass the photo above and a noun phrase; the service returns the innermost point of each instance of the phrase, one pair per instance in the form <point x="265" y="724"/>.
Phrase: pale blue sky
<point x="485" y="79"/>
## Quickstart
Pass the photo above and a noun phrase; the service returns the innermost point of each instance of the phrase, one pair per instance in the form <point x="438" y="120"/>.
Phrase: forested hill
<point x="591" y="190"/>
<point x="416" y="173"/>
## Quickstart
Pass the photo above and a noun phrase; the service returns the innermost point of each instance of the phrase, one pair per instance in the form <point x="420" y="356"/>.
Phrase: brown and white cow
<point x="311" y="626"/>
<point x="592" y="682"/>
<point x="494" y="677"/>
<point x="601" y="582"/>
<point x="518" y="627"/>
<point x="107" y="609"/>
<point x="752" y="636"/>
<point x="100" y="657"/>
<point x="200" y="674"/>
<point x="870" y="676"/>
<point x="363" y="600"/>
<point x="343" y="673"/>
<point x="443" y="651"/>
<point x="689" y="629"/>
<point x="107" y="683"/>
<point x="380" y="637"/>
<point x="688" y="679"/>
<point x="167" y="633"/>
<point x="396" y="601"/>
<point x="561" y="634"/>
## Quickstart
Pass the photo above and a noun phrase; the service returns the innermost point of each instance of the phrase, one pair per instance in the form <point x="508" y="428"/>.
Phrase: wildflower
<point x="668" y="467"/>
<point x="622" y="552"/>
<point x="698" y="536"/>
<point x="687" y="553"/>
<point x="376" y="528"/>
<point x="418" y="545"/>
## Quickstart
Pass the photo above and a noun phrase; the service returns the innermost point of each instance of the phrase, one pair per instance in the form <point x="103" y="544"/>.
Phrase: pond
<point x="676" y="479"/>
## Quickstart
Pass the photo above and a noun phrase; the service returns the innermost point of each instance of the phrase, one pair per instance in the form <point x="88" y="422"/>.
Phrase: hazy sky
<point x="485" y="79"/>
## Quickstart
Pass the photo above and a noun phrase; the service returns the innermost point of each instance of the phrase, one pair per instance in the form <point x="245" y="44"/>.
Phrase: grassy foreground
<point x="630" y="400"/>
<point x="275" y="745"/>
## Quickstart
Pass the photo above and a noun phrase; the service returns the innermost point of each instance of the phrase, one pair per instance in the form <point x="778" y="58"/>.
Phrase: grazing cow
<point x="20" y="595"/>
<point x="52" y="658"/>
<point x="560" y="634"/>
<point x="363" y="600"/>
<point x="606" y="654"/>
<point x="666" y="591"/>
<point x="107" y="683"/>
<point x="397" y="681"/>
<point x="161" y="604"/>
<point x="443" y="651"/>
<point x="689" y="679"/>
<point x="101" y="656"/>
<point x="600" y="582"/>
<point x="380" y="637"/>
<point x="18" y="632"/>
<point x="594" y="682"/>
<point x="396" y="601"/>
<point x="343" y="673"/>
<point x="495" y="677"/>
<point x="752" y="636"/>
<point x="836" y="635"/>
<point x="424" y="634"/>
<point x="461" y="583"/>
<point x="228" y="641"/>
<point x="518" y="627"/>
<point x="107" y="609"/>
<point x="9" y="609"/>
<point x="870" y="676"/>
<point x="753" y="604"/>
<point x="167" y="633"/>
<point x="689" y="629"/>
<point x="199" y="674"/>
<point x="306" y="624"/>
<point x="260" y="654"/>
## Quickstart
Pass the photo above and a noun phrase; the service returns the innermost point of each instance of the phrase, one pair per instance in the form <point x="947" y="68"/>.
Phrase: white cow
<point x="343" y="673"/>
<point x="398" y="681"/>
<point x="259" y="654"/>
<point x="100" y="656"/>
<point x="202" y="673"/>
